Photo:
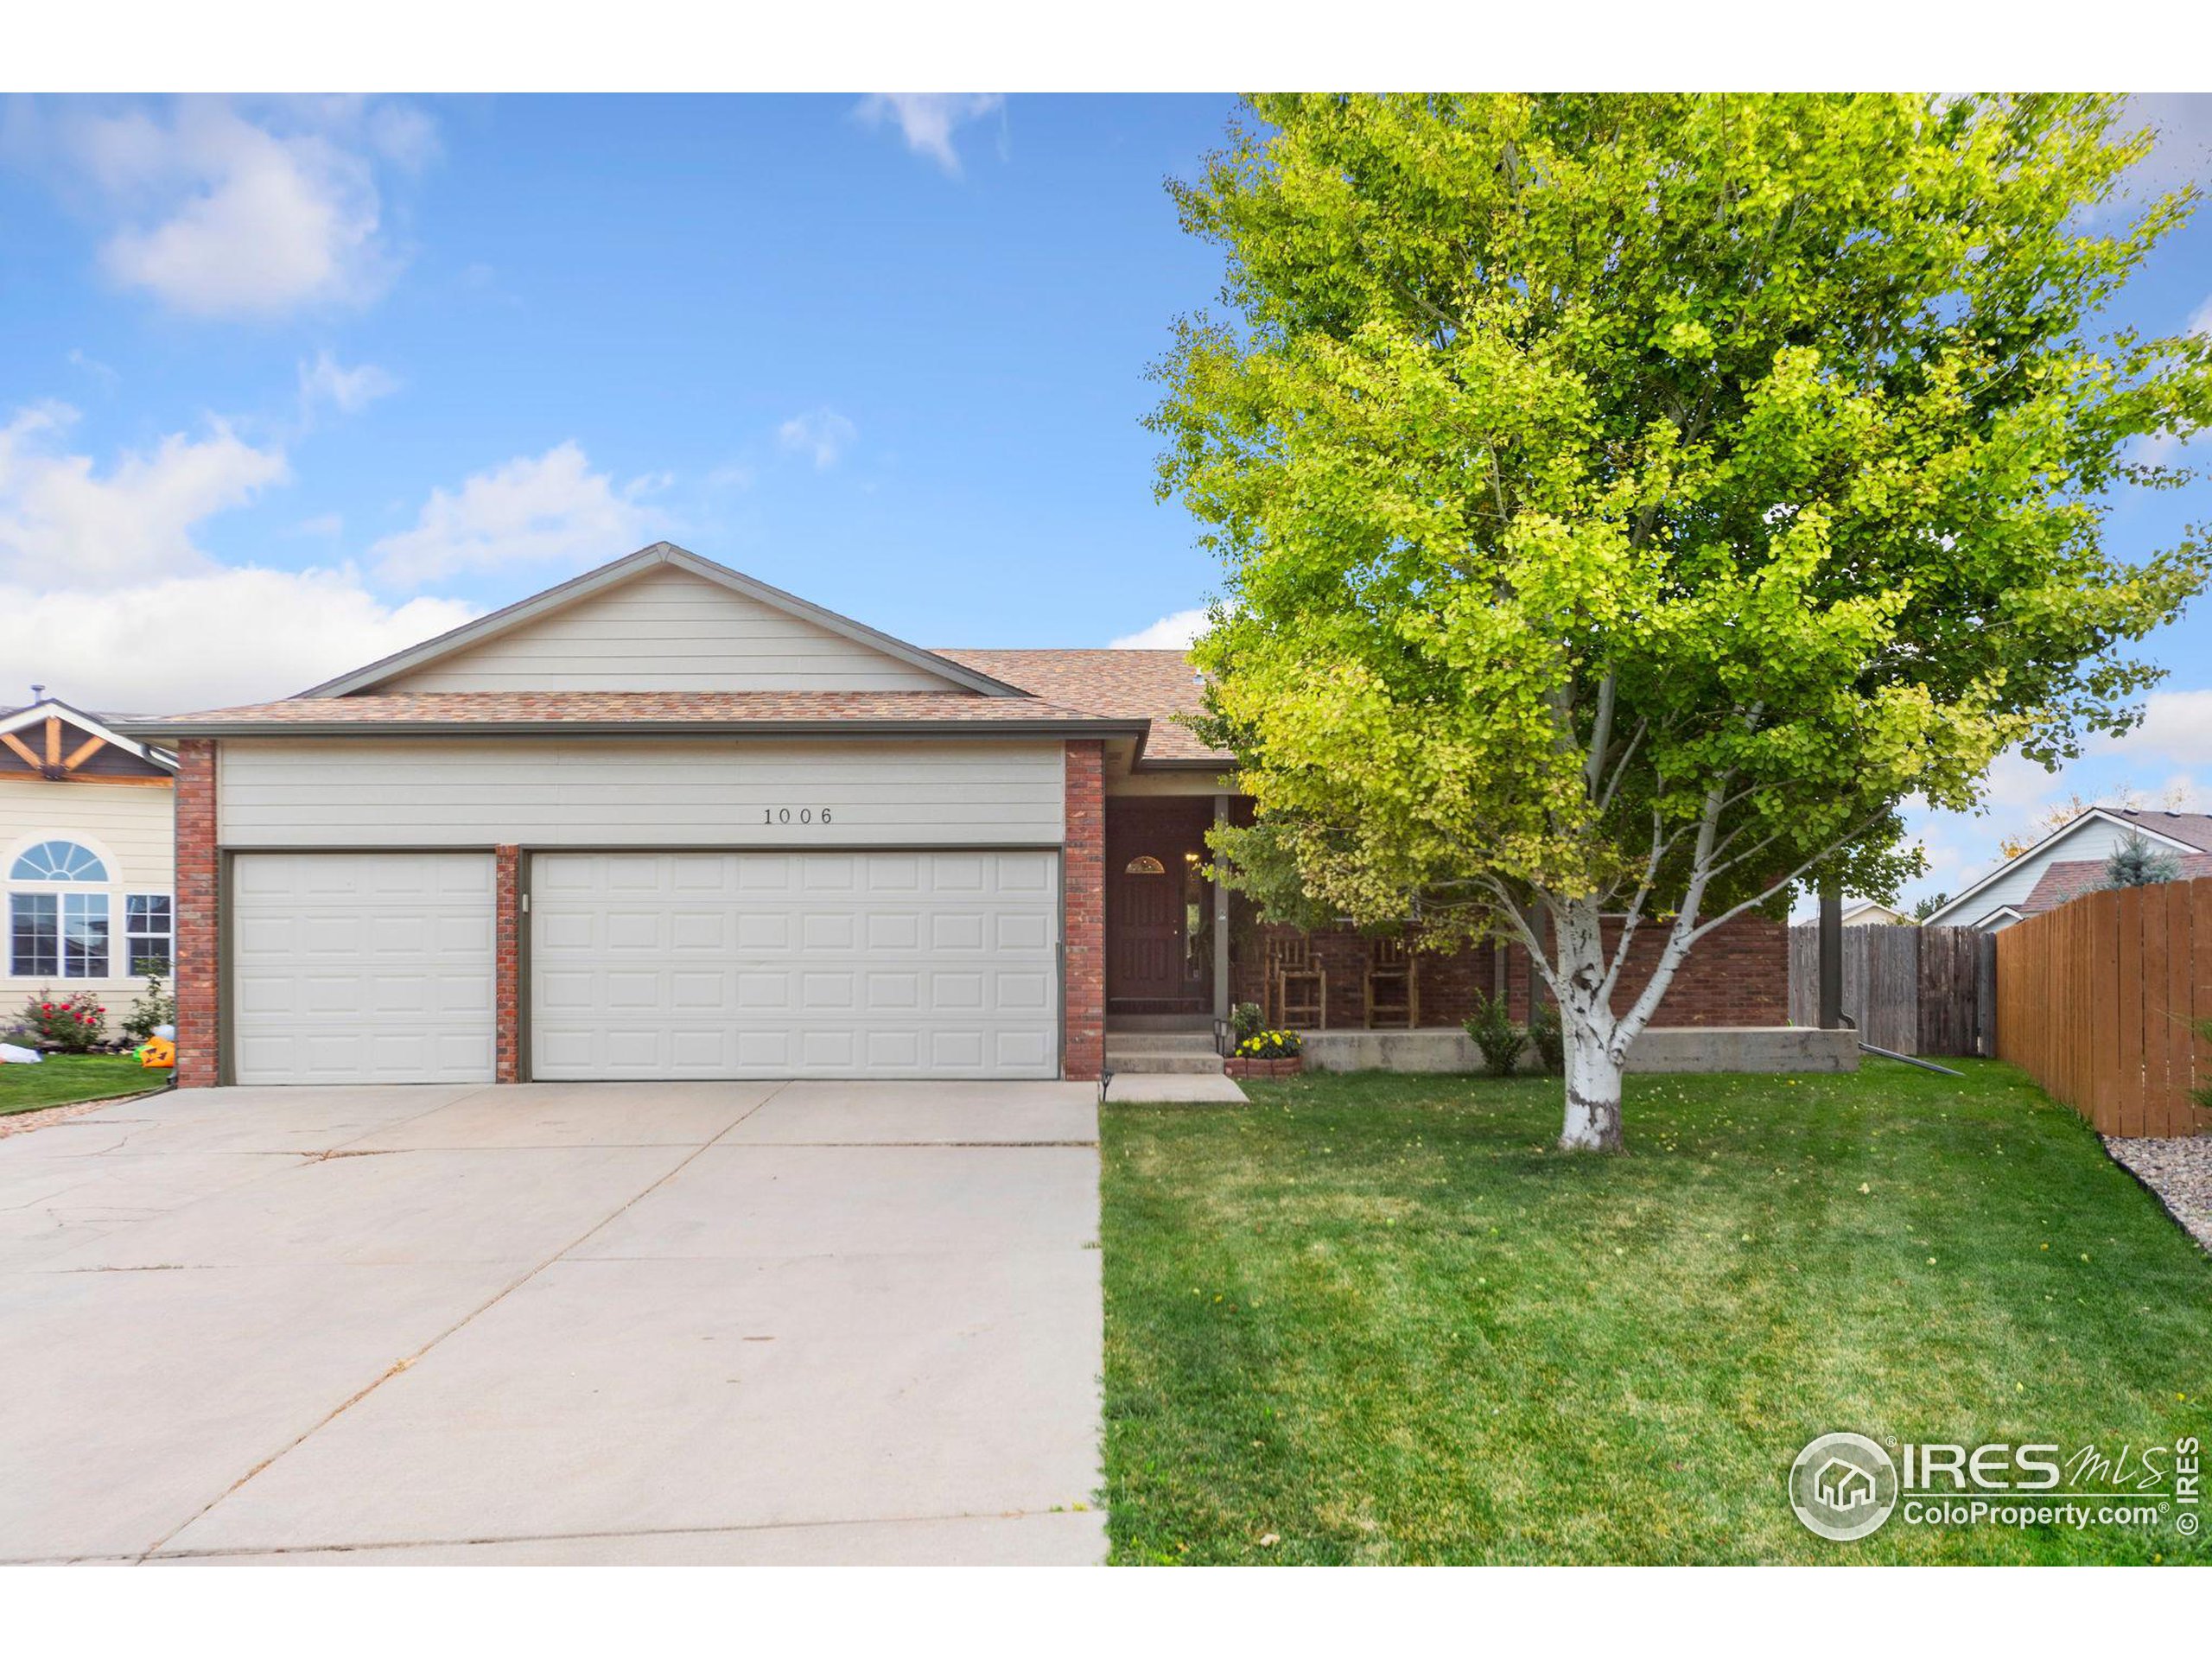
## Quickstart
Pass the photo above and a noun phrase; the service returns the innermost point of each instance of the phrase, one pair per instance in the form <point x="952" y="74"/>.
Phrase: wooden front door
<point x="1158" y="909"/>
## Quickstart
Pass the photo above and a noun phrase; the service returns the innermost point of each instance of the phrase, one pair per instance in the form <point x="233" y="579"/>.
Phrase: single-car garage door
<point x="362" y="968"/>
<point x="896" y="964"/>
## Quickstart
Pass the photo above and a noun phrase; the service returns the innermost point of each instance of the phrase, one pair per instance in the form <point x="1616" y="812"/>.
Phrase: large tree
<point x="1627" y="502"/>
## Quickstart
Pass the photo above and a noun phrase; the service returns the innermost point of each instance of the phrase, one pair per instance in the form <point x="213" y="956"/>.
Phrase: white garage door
<point x="362" y="968"/>
<point x="795" y="965"/>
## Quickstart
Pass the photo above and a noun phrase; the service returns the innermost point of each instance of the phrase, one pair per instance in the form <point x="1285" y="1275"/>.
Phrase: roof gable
<point x="1962" y="909"/>
<point x="663" y="620"/>
<point x="53" y="741"/>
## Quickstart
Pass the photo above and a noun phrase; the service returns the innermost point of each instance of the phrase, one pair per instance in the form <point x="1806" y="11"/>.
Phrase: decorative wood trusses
<point x="63" y="744"/>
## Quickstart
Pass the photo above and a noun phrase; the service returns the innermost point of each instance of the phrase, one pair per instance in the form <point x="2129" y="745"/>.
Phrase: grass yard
<point x="60" y="1079"/>
<point x="1378" y="1318"/>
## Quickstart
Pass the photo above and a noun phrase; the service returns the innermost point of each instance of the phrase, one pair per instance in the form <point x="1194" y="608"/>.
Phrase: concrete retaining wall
<point x="1668" y="1048"/>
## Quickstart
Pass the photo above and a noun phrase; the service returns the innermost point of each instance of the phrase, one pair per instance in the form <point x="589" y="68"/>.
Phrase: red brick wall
<point x="507" y="947"/>
<point x="198" y="881"/>
<point x="1738" y="975"/>
<point x="1083" y="1013"/>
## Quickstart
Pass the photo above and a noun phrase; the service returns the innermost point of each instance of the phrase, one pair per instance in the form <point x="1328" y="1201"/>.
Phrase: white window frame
<point x="132" y="935"/>
<point x="108" y="897"/>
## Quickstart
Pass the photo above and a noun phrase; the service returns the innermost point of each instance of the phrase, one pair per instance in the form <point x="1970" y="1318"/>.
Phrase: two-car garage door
<point x="877" y="965"/>
<point x="379" y="967"/>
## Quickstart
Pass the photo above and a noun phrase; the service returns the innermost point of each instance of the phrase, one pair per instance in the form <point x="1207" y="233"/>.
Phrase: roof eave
<point x="826" y="728"/>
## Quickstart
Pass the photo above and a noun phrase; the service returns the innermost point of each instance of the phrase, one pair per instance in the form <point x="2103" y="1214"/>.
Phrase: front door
<point x="1158" y="909"/>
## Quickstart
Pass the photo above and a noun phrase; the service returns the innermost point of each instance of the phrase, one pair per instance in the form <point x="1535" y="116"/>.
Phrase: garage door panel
<point x="899" y="965"/>
<point x="362" y="968"/>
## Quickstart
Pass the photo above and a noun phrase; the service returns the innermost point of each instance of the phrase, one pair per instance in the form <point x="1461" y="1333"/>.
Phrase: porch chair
<point x="1393" y="989"/>
<point x="1298" y="985"/>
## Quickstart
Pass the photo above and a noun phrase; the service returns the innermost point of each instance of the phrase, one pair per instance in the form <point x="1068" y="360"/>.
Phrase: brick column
<point x="507" y="947"/>
<point x="1082" y="1015"/>
<point x="198" y="970"/>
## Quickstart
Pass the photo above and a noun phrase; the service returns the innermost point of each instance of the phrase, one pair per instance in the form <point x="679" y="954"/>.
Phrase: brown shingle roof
<point x="2194" y="829"/>
<point x="1155" y="685"/>
<point x="565" y="710"/>
<point x="2072" y="878"/>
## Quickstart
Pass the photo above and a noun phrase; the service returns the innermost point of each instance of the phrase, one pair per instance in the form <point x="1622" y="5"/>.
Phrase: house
<point x="665" y="820"/>
<point x="1871" y="914"/>
<point x="2003" y="896"/>
<point x="2070" y="880"/>
<point x="85" y="857"/>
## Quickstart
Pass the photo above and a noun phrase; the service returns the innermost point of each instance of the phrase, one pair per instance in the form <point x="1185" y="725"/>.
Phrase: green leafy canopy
<point x="1584" y="469"/>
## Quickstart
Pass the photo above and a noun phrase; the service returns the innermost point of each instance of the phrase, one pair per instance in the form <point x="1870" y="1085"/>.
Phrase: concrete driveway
<point x="556" y="1323"/>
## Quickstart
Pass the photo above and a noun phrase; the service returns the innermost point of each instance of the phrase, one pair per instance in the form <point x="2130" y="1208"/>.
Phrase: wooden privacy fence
<point x="2097" y="1000"/>
<point x="1912" y="990"/>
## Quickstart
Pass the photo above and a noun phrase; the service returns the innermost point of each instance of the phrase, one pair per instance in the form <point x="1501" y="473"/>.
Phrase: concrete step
<point x="1160" y="1042"/>
<point x="1117" y="1023"/>
<point x="1187" y="1065"/>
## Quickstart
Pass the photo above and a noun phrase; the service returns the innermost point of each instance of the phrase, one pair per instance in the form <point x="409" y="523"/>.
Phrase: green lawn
<point x="1378" y="1318"/>
<point x="61" y="1079"/>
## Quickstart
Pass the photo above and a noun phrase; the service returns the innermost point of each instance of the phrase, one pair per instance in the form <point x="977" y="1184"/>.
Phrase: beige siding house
<point x="86" y="861"/>
<point x="666" y="822"/>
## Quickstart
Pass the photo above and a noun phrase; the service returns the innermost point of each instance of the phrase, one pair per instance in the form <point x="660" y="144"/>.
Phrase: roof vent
<point x="38" y="694"/>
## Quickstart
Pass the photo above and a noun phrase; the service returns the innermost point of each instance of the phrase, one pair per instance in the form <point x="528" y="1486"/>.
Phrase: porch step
<point x="1184" y="1053"/>
<point x="1158" y="1042"/>
<point x="1118" y="1023"/>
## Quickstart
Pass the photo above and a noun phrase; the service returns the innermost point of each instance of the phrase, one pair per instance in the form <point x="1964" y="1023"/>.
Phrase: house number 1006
<point x="794" y="815"/>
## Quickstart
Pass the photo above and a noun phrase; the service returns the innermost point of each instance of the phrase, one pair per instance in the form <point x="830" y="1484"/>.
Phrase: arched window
<point x="1144" y="864"/>
<point x="59" y="935"/>
<point x="58" y="861"/>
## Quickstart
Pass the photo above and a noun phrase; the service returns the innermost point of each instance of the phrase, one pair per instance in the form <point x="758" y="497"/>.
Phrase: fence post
<point x="1831" y="1007"/>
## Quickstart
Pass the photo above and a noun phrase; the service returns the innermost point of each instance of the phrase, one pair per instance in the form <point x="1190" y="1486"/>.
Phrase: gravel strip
<point x="39" y="1117"/>
<point x="2179" y="1170"/>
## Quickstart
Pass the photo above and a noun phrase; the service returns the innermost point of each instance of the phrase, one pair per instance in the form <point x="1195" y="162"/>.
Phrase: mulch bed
<point x="2179" y="1171"/>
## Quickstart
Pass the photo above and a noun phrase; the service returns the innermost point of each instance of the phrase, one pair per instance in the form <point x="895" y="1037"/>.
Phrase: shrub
<point x="155" y="1006"/>
<point x="1271" y="1045"/>
<point x="2136" y="863"/>
<point x="1549" y="1037"/>
<point x="1493" y="1028"/>
<point x="74" y="1024"/>
<point x="1245" y="1019"/>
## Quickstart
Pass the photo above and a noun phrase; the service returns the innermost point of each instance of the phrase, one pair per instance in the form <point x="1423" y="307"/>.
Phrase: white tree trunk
<point x="1595" y="1042"/>
<point x="1593" y="1098"/>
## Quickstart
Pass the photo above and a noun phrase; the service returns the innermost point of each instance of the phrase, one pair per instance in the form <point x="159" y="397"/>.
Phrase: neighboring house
<point x="2071" y="880"/>
<point x="1870" y="914"/>
<point x="665" y="820"/>
<point x="2001" y="898"/>
<point x="85" y="857"/>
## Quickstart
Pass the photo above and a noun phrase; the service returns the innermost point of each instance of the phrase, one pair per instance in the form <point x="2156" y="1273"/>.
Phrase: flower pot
<point x="1239" y="1067"/>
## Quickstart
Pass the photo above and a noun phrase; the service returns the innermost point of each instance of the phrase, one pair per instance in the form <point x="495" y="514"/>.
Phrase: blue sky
<point x="292" y="383"/>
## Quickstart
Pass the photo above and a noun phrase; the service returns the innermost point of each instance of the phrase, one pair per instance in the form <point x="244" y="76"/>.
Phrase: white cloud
<point x="2200" y="320"/>
<point x="218" y="215"/>
<point x="80" y="358"/>
<point x="1172" y="632"/>
<point x="209" y="639"/>
<point x="821" y="434"/>
<point x="62" y="525"/>
<point x="928" y="121"/>
<point x="550" y="509"/>
<point x="2176" y="725"/>
<point x="326" y="380"/>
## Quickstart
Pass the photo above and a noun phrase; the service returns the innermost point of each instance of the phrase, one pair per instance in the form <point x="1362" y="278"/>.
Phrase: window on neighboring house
<point x="34" y="934"/>
<point x="57" y="928"/>
<point x="149" y="929"/>
<point x="58" y="861"/>
<point x="84" y="936"/>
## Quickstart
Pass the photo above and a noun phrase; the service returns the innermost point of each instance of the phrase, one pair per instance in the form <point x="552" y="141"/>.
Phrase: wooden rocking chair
<point x="1298" y="985"/>
<point x="1393" y="989"/>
